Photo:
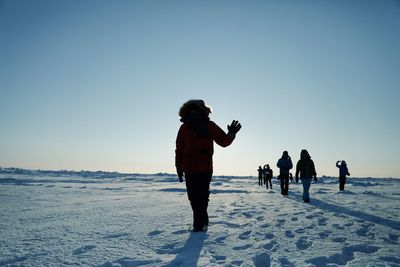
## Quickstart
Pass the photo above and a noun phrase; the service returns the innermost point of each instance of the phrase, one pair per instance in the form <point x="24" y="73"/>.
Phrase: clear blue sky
<point x="97" y="85"/>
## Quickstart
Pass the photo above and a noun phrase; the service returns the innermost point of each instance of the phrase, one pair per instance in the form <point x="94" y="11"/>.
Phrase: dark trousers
<point x="198" y="190"/>
<point x="268" y="180"/>
<point x="342" y="182"/>
<point x="260" y="180"/>
<point x="284" y="184"/>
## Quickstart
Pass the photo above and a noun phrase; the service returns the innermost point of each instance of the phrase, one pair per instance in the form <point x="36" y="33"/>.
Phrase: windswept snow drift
<point x="60" y="219"/>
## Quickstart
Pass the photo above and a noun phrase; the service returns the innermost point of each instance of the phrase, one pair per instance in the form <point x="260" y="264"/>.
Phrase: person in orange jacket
<point x="193" y="155"/>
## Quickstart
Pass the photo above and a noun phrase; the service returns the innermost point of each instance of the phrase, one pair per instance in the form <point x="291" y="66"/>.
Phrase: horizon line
<point x="158" y="173"/>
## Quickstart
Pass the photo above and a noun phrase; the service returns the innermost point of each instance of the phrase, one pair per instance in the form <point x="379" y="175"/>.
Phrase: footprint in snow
<point x="83" y="249"/>
<point x="116" y="235"/>
<point x="234" y="213"/>
<point x="244" y="235"/>
<point x="239" y="205"/>
<point x="232" y="225"/>
<point x="219" y="258"/>
<point x="270" y="245"/>
<point x="311" y="226"/>
<point x="244" y="247"/>
<point x="312" y="216"/>
<point x="216" y="257"/>
<point x="289" y="234"/>
<point x="280" y="222"/>
<point x="300" y="231"/>
<point x="172" y="248"/>
<point x="339" y="239"/>
<point x="248" y="215"/>
<point x="325" y="234"/>
<point x="154" y="233"/>
<point x="179" y="232"/>
<point x="220" y="239"/>
<point x="269" y="235"/>
<point x="303" y="243"/>
<point x="322" y="221"/>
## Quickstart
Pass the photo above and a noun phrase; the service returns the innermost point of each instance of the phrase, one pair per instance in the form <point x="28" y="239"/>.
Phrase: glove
<point x="297" y="179"/>
<point x="234" y="127"/>
<point x="180" y="175"/>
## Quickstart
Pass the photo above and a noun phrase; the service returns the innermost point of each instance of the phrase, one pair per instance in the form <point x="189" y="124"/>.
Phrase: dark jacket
<point x="268" y="173"/>
<point x="284" y="165"/>
<point x="193" y="154"/>
<point x="306" y="168"/>
<point x="343" y="170"/>
<point x="260" y="172"/>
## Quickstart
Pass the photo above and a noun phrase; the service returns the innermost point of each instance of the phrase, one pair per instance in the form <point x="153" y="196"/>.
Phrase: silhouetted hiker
<point x="305" y="167"/>
<point x="193" y="155"/>
<point x="284" y="164"/>
<point x="260" y="175"/>
<point x="343" y="171"/>
<point x="268" y="174"/>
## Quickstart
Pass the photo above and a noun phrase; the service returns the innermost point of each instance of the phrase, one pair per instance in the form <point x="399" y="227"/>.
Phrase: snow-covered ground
<point x="92" y="219"/>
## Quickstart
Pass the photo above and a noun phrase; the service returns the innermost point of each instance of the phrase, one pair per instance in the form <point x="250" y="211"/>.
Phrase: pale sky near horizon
<point x="97" y="85"/>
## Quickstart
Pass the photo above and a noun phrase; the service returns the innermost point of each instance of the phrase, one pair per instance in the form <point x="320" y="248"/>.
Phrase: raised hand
<point x="234" y="127"/>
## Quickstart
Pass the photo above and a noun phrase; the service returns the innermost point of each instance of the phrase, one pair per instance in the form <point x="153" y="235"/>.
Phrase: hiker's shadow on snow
<point x="345" y="210"/>
<point x="190" y="252"/>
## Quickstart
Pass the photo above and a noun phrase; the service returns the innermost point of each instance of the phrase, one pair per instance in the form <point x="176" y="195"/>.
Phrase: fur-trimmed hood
<point x="194" y="105"/>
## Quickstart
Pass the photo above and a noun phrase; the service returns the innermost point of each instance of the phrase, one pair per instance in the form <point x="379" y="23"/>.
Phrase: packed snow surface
<point x="108" y="219"/>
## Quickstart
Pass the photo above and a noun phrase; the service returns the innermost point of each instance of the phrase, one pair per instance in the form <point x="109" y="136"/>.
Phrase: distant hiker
<point x="268" y="174"/>
<point x="260" y="176"/>
<point x="193" y="155"/>
<point x="343" y="171"/>
<point x="305" y="167"/>
<point x="284" y="164"/>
